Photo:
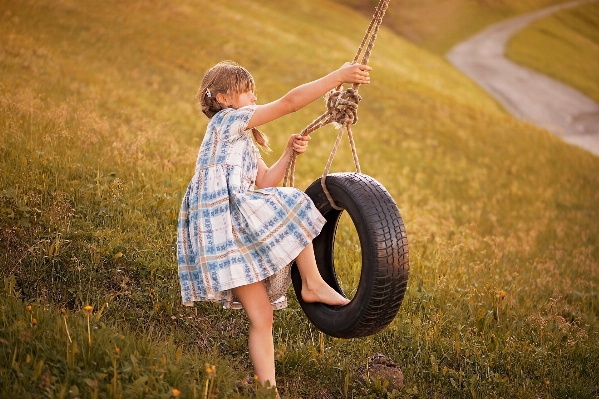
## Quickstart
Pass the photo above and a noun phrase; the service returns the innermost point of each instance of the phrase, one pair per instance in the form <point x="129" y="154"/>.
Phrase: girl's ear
<point x="222" y="98"/>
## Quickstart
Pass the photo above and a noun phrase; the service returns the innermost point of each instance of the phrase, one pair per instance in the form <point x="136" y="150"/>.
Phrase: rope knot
<point x="343" y="106"/>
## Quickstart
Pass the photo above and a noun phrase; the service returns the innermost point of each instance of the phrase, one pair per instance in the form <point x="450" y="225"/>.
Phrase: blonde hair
<point x="230" y="78"/>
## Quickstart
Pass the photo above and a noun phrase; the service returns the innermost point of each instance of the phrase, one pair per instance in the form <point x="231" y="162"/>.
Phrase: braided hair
<point x="227" y="77"/>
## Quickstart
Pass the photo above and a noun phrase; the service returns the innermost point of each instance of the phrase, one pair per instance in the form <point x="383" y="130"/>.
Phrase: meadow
<point x="565" y="46"/>
<point x="99" y="134"/>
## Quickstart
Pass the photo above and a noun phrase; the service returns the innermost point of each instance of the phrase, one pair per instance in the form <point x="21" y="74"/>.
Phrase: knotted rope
<point x="342" y="107"/>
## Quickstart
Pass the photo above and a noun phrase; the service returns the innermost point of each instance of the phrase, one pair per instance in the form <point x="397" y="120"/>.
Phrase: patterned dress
<point x="231" y="235"/>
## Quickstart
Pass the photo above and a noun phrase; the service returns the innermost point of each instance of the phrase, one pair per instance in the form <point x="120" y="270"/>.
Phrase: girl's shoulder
<point x="233" y="119"/>
<point x="239" y="112"/>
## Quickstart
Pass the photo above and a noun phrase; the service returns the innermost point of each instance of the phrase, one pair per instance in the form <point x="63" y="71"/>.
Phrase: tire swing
<point x="382" y="235"/>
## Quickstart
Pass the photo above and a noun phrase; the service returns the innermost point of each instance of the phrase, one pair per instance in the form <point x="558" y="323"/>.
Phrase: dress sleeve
<point x="239" y="119"/>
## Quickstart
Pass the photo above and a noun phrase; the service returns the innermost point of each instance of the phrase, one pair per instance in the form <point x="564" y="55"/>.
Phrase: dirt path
<point x="527" y="94"/>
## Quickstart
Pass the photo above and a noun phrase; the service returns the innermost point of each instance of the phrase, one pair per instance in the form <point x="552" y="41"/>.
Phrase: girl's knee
<point x="262" y="319"/>
<point x="256" y="303"/>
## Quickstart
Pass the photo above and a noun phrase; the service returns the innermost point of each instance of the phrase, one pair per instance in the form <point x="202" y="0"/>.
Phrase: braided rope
<point x="373" y="30"/>
<point x="342" y="107"/>
<point x="326" y="171"/>
<point x="353" y="149"/>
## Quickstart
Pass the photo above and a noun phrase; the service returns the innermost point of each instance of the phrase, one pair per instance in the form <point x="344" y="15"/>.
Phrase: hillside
<point x="440" y="24"/>
<point x="565" y="46"/>
<point x="99" y="134"/>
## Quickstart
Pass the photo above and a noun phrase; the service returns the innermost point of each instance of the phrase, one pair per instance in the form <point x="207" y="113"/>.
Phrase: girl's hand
<point x="354" y="73"/>
<point x="298" y="143"/>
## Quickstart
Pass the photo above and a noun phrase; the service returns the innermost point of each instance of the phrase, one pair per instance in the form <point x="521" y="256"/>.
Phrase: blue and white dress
<point x="229" y="234"/>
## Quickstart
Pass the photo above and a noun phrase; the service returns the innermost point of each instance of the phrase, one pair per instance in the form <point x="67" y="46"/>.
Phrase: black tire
<point x="385" y="261"/>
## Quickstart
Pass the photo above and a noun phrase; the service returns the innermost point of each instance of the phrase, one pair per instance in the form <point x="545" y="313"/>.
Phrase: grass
<point x="348" y="256"/>
<point x="440" y="24"/>
<point x="99" y="133"/>
<point x="564" y="45"/>
<point x="67" y="354"/>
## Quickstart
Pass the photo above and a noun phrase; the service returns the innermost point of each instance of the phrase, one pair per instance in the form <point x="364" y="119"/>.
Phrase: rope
<point x="342" y="107"/>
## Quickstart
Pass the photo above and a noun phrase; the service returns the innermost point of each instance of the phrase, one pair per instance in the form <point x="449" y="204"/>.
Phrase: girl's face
<point x="237" y="101"/>
<point x="247" y="98"/>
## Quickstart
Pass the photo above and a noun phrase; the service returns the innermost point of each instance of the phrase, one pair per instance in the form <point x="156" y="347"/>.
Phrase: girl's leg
<point x="314" y="288"/>
<point x="255" y="301"/>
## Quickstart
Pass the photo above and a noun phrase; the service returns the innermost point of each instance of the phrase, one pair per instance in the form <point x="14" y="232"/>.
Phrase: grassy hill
<point x="565" y="46"/>
<point x="440" y="24"/>
<point x="99" y="133"/>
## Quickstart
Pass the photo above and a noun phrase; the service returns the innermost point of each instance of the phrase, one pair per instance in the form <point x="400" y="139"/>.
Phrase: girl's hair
<point x="230" y="78"/>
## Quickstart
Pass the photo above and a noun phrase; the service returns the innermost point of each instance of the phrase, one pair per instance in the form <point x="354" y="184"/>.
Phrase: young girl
<point x="235" y="243"/>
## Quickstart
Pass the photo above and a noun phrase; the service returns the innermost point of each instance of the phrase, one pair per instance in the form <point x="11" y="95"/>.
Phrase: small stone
<point x="385" y="369"/>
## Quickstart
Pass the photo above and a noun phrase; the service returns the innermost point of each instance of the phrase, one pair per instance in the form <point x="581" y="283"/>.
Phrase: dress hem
<point x="229" y="304"/>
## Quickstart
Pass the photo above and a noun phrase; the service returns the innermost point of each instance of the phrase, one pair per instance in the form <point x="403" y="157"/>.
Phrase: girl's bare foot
<point x="323" y="293"/>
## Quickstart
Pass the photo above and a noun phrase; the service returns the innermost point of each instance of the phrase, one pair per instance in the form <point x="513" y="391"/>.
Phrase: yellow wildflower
<point x="210" y="369"/>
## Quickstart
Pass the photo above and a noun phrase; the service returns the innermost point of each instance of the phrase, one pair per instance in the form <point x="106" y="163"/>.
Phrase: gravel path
<point x="527" y="94"/>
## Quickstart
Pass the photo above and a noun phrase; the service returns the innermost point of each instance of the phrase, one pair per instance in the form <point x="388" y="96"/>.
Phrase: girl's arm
<point x="271" y="177"/>
<point x="306" y="93"/>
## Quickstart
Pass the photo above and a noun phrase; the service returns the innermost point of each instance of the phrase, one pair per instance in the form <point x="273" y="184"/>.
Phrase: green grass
<point x="99" y="133"/>
<point x="75" y="354"/>
<point x="348" y="256"/>
<point x="440" y="24"/>
<point x="564" y="45"/>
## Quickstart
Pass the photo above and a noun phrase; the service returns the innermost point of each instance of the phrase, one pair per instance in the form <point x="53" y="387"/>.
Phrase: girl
<point x="235" y="243"/>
